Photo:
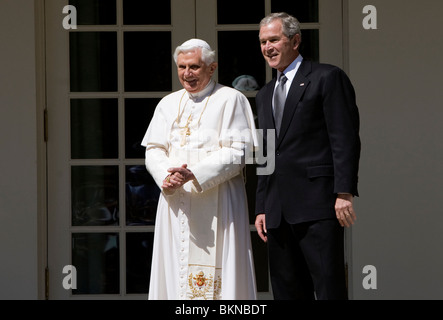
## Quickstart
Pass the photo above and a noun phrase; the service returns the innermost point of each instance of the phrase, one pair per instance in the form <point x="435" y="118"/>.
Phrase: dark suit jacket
<point x="318" y="149"/>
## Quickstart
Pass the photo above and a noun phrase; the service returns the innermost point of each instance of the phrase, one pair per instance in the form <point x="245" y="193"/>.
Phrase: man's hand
<point x="344" y="210"/>
<point x="177" y="177"/>
<point x="260" y="225"/>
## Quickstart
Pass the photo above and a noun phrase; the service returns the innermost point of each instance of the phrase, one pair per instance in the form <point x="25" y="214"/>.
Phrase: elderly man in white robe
<point x="196" y="145"/>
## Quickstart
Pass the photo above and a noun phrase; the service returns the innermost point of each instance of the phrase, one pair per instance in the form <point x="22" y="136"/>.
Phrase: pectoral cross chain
<point x="186" y="132"/>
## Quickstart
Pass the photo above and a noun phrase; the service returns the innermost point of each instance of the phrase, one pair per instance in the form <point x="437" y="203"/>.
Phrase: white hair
<point x="208" y="55"/>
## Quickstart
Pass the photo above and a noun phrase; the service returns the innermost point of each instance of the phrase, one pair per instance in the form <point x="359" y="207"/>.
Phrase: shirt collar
<point x="291" y="70"/>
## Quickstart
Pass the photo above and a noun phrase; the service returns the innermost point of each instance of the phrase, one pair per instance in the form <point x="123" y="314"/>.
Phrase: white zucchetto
<point x="191" y="43"/>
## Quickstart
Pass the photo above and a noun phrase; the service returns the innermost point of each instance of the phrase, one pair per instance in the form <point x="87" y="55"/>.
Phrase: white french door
<point x="104" y="79"/>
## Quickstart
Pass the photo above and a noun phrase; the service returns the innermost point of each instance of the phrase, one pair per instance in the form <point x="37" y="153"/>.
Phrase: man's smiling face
<point x="277" y="49"/>
<point x="193" y="73"/>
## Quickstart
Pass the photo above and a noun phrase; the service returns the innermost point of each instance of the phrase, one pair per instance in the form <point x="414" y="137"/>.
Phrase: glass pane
<point x="138" y="261"/>
<point x="94" y="195"/>
<point x="303" y="10"/>
<point x="94" y="128"/>
<point x="260" y="253"/>
<point x="96" y="258"/>
<point x="246" y="69"/>
<point x="142" y="195"/>
<point x="246" y="11"/>
<point x="91" y="12"/>
<point x="138" y="114"/>
<point x="146" y="12"/>
<point x="148" y="60"/>
<point x="93" y="61"/>
<point x="309" y="47"/>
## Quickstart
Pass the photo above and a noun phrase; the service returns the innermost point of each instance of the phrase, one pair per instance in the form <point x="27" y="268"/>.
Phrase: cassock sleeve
<point x="237" y="141"/>
<point x="157" y="146"/>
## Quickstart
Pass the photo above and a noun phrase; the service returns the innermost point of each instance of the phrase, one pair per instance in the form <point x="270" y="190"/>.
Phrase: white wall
<point x="397" y="71"/>
<point x="18" y="145"/>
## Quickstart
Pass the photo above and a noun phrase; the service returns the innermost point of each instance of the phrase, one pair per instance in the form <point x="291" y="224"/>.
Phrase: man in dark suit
<point x="302" y="207"/>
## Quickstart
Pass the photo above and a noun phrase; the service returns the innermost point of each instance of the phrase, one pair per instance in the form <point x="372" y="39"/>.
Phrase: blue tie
<point x="279" y="102"/>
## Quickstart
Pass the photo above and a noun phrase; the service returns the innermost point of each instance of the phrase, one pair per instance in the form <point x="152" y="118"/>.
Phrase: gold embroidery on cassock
<point x="204" y="286"/>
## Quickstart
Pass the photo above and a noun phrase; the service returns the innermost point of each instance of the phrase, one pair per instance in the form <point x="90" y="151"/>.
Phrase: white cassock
<point x="202" y="246"/>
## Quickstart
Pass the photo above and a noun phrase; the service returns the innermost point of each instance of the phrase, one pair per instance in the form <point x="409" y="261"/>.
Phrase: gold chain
<point x="186" y="129"/>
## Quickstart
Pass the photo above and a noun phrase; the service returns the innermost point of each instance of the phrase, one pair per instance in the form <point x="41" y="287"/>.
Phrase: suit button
<point x="277" y="153"/>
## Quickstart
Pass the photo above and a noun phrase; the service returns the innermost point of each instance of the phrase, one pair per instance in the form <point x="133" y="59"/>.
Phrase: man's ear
<point x="212" y="67"/>
<point x="296" y="41"/>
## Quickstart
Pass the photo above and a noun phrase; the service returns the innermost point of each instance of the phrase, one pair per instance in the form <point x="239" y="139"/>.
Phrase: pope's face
<point x="278" y="50"/>
<point x="193" y="73"/>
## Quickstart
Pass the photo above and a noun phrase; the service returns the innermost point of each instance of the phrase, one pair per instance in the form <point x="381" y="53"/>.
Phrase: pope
<point x="196" y="144"/>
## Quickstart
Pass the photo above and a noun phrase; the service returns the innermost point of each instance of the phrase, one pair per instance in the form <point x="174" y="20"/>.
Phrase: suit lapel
<point x="298" y="87"/>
